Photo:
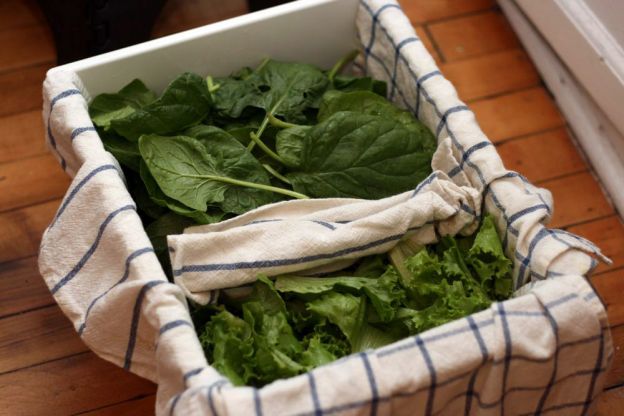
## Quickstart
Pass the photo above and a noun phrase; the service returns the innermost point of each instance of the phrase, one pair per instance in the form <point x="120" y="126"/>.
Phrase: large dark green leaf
<point x="145" y="204"/>
<point x="366" y="102"/>
<point x="289" y="144"/>
<point x="126" y="153"/>
<point x="184" y="103"/>
<point x="158" y="231"/>
<point x="362" y="156"/>
<point x="348" y="83"/>
<point x="108" y="107"/>
<point x="217" y="170"/>
<point x="290" y="87"/>
<point x="210" y="216"/>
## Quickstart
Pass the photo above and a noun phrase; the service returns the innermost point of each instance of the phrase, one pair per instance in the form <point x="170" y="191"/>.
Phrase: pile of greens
<point x="212" y="148"/>
<point x="209" y="148"/>
<point x="281" y="328"/>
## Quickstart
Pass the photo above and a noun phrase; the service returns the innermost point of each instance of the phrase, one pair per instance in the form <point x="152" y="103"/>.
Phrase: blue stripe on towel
<point x="74" y="271"/>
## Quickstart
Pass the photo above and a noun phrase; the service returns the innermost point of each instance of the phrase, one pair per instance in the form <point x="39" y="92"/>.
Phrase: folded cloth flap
<point x="269" y="240"/>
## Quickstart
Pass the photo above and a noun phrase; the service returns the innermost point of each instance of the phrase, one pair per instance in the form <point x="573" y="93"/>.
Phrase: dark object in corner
<point x="255" y="5"/>
<point x="84" y="28"/>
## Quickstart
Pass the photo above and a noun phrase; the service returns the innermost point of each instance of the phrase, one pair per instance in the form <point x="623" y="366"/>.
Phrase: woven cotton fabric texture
<point x="302" y="236"/>
<point x="545" y="350"/>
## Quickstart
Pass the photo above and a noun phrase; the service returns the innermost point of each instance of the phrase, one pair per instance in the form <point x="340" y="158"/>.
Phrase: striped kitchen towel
<point x="294" y="236"/>
<point x="546" y="350"/>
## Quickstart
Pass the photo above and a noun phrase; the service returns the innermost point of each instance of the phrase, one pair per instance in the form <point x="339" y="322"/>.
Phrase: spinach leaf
<point x="143" y="200"/>
<point x="108" y="107"/>
<point x="346" y="83"/>
<point x="158" y="231"/>
<point x="242" y="134"/>
<point x="184" y="103"/>
<point x="289" y="144"/>
<point x="224" y="174"/>
<point x="126" y="153"/>
<point x="170" y="223"/>
<point x="362" y="156"/>
<point x="210" y="216"/>
<point x="286" y="88"/>
<point x="366" y="102"/>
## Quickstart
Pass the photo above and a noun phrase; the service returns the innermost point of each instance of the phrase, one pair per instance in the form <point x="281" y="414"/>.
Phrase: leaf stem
<point x="397" y="258"/>
<point x="248" y="184"/>
<point x="258" y="133"/>
<point x="269" y="188"/>
<point x="262" y="64"/>
<point x="280" y="123"/>
<point x="341" y="64"/>
<point x="212" y="87"/>
<point x="276" y="173"/>
<point x="265" y="148"/>
<point x="263" y="126"/>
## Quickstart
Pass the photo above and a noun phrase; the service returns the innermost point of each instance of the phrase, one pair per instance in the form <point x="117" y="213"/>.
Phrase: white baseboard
<point x="597" y="135"/>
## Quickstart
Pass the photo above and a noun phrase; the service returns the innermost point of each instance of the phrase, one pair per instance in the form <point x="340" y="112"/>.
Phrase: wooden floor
<point x="46" y="369"/>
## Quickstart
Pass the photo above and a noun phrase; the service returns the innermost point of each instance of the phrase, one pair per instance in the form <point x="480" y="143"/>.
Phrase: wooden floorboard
<point x="22" y="230"/>
<point x="35" y="337"/>
<point x="22" y="288"/>
<point x="611" y="402"/>
<point x="578" y="198"/>
<point x="21" y="136"/>
<point x="533" y="155"/>
<point x="31" y="45"/>
<point x="75" y="384"/>
<point x="524" y="112"/>
<point x="616" y="375"/>
<point x="31" y="181"/>
<point x="139" y="406"/>
<point x="16" y="14"/>
<point x="22" y="88"/>
<point x="474" y="35"/>
<point x="608" y="234"/>
<point x="427" y="11"/>
<point x="489" y="75"/>
<point x="43" y="363"/>
<point x="610" y="286"/>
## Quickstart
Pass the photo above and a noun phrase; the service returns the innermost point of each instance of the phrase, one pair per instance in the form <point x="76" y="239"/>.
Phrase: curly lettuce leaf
<point x="229" y="343"/>
<point x="487" y="259"/>
<point x="385" y="293"/>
